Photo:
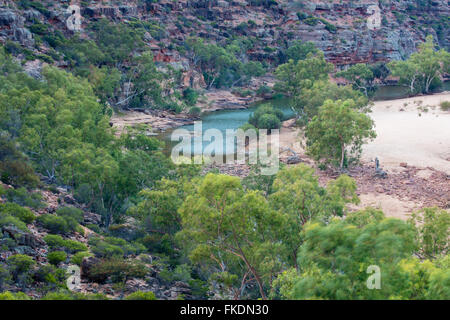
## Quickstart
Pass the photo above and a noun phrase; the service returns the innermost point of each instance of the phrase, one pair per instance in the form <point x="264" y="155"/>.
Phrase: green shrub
<point x="57" y="242"/>
<point x="57" y="224"/>
<point x="302" y="15"/>
<point x="248" y="126"/>
<point x="59" y="295"/>
<point x="128" y="248"/>
<point x="56" y="257"/>
<point x="199" y="288"/>
<point x="20" y="263"/>
<point x="22" y="197"/>
<point x="39" y="28"/>
<point x="14" y="167"/>
<point x="5" y="277"/>
<point x="7" y="220"/>
<point x="266" y="117"/>
<point x="190" y="96"/>
<point x="105" y="250"/>
<point x="263" y="90"/>
<point x="71" y="212"/>
<point x="179" y="273"/>
<point x="269" y="121"/>
<point x="195" y="111"/>
<point x="17" y="211"/>
<point x="53" y="223"/>
<point x="73" y="246"/>
<point x="311" y="21"/>
<point x="139" y="295"/>
<point x="51" y="275"/>
<point x="445" y="105"/>
<point x="118" y="269"/>
<point x="54" y="241"/>
<point x="94" y="228"/>
<point x="7" y="295"/>
<point x="114" y="247"/>
<point x="78" y="257"/>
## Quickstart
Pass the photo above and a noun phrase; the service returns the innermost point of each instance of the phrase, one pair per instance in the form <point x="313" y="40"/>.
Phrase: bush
<point x="111" y="246"/>
<point x="266" y="117"/>
<point x="5" y="277"/>
<point x="302" y="15"/>
<point x="53" y="223"/>
<point x="71" y="212"/>
<point x="13" y="296"/>
<point x="39" y="28"/>
<point x="311" y="21"/>
<point x="248" y="126"/>
<point x="20" y="263"/>
<point x="14" y="167"/>
<point x="190" y="96"/>
<point x="54" y="241"/>
<point x="94" y="228"/>
<point x="57" y="242"/>
<point x="56" y="257"/>
<point x="22" y="197"/>
<point x="269" y="121"/>
<point x="17" y="211"/>
<point x="7" y="220"/>
<point x="445" y="105"/>
<point x="432" y="231"/>
<point x="103" y="249"/>
<point x="67" y="295"/>
<point x="73" y="246"/>
<point x="180" y="273"/>
<point x="59" y="295"/>
<point x="57" y="224"/>
<point x="263" y="90"/>
<point x="118" y="269"/>
<point x="195" y="111"/>
<point x="139" y="295"/>
<point x="51" y="275"/>
<point x="78" y="257"/>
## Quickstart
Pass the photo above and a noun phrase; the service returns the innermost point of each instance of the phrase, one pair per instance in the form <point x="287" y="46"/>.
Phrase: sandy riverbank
<point x="413" y="131"/>
<point x="413" y="146"/>
<point x="157" y="121"/>
<point x="160" y="121"/>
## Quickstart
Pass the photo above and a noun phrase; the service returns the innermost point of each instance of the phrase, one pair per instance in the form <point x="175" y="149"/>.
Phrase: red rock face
<point x="339" y="28"/>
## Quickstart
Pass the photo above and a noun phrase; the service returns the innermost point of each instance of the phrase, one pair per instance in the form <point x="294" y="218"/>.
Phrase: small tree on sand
<point x="339" y="128"/>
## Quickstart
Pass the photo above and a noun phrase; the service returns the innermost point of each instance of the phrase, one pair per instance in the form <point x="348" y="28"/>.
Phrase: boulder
<point x="23" y="238"/>
<point x="7" y="17"/>
<point x="127" y="231"/>
<point x="24" y="37"/>
<point x="179" y="289"/>
<point x="91" y="218"/>
<point x="293" y="159"/>
<point x="129" y="11"/>
<point x="34" y="69"/>
<point x="32" y="15"/>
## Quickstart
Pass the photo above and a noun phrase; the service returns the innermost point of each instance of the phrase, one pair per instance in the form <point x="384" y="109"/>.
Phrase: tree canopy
<point x="423" y="69"/>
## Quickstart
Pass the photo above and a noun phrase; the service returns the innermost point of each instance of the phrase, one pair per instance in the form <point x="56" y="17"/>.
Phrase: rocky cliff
<point x="347" y="31"/>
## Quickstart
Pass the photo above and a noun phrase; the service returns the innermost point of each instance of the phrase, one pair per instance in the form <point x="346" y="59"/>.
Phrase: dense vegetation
<point x="280" y="237"/>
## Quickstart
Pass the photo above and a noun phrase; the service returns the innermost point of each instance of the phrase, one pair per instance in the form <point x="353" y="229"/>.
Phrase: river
<point x="235" y="118"/>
